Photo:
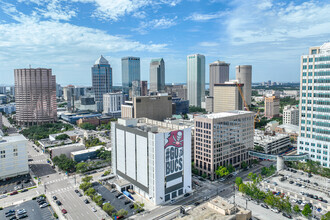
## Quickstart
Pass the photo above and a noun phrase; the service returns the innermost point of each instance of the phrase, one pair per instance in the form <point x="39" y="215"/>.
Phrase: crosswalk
<point x="38" y="161"/>
<point x="55" y="181"/>
<point x="61" y="190"/>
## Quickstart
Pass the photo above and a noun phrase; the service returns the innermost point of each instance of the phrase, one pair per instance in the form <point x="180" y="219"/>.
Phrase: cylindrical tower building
<point x="244" y="76"/>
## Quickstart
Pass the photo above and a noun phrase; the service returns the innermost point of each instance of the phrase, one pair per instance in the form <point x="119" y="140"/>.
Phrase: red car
<point x="64" y="211"/>
<point x="13" y="193"/>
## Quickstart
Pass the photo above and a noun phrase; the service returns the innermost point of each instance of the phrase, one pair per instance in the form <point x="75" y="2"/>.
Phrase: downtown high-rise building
<point x="244" y="76"/>
<point x="144" y="88"/>
<point x="157" y="75"/>
<point x="35" y="91"/>
<point x="196" y="79"/>
<point x="219" y="73"/>
<point x="101" y="80"/>
<point x="314" y="126"/>
<point x="130" y="67"/>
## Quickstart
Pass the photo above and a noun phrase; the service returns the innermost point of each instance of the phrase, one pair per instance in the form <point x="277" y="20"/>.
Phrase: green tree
<point x="122" y="212"/>
<point x="306" y="211"/>
<point x="64" y="163"/>
<point x="221" y="171"/>
<point x="230" y="168"/>
<point x="90" y="192"/>
<point x="197" y="109"/>
<point x="87" y="178"/>
<point x="244" y="165"/>
<point x="106" y="173"/>
<point x="326" y="216"/>
<point x="258" y="148"/>
<point x="296" y="209"/>
<point x="85" y="185"/>
<point x="87" y="126"/>
<point x="243" y="188"/>
<point x="238" y="181"/>
<point x="270" y="199"/>
<point x="98" y="200"/>
<point x="108" y="208"/>
<point x="81" y="167"/>
<point x="138" y="205"/>
<point x="62" y="137"/>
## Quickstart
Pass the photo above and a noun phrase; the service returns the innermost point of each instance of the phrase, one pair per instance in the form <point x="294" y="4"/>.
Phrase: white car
<point x="43" y="205"/>
<point x="93" y="209"/>
<point x="275" y="210"/>
<point x="3" y="196"/>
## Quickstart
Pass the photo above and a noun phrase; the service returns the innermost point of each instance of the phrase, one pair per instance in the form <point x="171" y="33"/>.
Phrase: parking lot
<point x="301" y="190"/>
<point x="111" y="198"/>
<point x="16" y="183"/>
<point x="41" y="170"/>
<point x="33" y="211"/>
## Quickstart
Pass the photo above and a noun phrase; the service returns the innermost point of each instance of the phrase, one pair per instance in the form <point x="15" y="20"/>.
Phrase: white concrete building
<point x="291" y="115"/>
<point x="13" y="156"/>
<point x="112" y="104"/>
<point x="155" y="157"/>
<point x="271" y="143"/>
<point x="314" y="134"/>
<point x="65" y="149"/>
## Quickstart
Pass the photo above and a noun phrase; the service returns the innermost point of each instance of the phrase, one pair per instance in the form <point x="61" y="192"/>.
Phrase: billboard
<point x="174" y="152"/>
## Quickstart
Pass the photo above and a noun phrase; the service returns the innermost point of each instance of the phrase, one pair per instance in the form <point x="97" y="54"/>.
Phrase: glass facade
<point x="315" y="104"/>
<point x="196" y="79"/>
<point x="130" y="67"/>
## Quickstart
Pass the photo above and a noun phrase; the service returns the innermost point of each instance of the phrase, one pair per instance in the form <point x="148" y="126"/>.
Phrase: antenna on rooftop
<point x="30" y="66"/>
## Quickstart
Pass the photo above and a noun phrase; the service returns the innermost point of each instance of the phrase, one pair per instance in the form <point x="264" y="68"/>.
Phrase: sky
<point x="69" y="35"/>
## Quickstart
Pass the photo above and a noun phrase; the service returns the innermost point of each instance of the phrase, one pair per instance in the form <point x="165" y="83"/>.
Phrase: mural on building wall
<point x="174" y="152"/>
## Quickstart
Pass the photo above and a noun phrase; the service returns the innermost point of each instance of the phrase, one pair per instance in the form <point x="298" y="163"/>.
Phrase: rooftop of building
<point x="101" y="61"/>
<point x="219" y="63"/>
<point x="266" y="138"/>
<point x="130" y="58"/>
<point x="68" y="145"/>
<point x="149" y="125"/>
<point x="289" y="128"/>
<point x="11" y="139"/>
<point x="156" y="60"/>
<point x="225" y="114"/>
<point x="325" y="48"/>
<point x="91" y="149"/>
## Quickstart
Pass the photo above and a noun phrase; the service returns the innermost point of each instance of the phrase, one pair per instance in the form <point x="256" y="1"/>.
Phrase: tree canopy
<point x="64" y="163"/>
<point x="38" y="132"/>
<point x="62" y="137"/>
<point x="87" y="126"/>
<point x="222" y="171"/>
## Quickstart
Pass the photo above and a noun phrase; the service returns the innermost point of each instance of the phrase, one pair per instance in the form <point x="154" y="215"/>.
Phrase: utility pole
<point x="234" y="196"/>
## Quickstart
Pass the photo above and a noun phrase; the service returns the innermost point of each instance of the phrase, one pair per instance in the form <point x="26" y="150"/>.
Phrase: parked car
<point x="79" y="194"/>
<point x="131" y="206"/>
<point x="76" y="191"/>
<point x="44" y="205"/>
<point x="22" y="216"/>
<point x="18" y="182"/>
<point x="54" y="197"/>
<point x="14" y="193"/>
<point x="275" y="210"/>
<point x="21" y="211"/>
<point x="26" y="181"/>
<point x="127" y="202"/>
<point x="13" y="218"/>
<point x="64" y="211"/>
<point x="58" y="202"/>
<point x="264" y="206"/>
<point x="3" y="196"/>
<point x="291" y="182"/>
<point x="86" y="201"/>
<point x="287" y="215"/>
<point x="24" y="190"/>
<point x="93" y="209"/>
<point x="187" y="194"/>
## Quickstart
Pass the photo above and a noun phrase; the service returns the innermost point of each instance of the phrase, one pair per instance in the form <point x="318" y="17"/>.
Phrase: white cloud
<point x="114" y="9"/>
<point x="264" y="21"/>
<point x="208" y="44"/>
<point x="206" y="17"/>
<point x="162" y="23"/>
<point x="71" y="49"/>
<point x="56" y="11"/>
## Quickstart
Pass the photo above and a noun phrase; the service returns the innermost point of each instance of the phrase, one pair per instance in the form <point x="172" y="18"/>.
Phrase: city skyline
<point x="83" y="30"/>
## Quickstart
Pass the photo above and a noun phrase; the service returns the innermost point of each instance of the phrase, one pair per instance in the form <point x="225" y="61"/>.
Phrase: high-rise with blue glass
<point x="101" y="80"/>
<point x="314" y="136"/>
<point x="130" y="67"/>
